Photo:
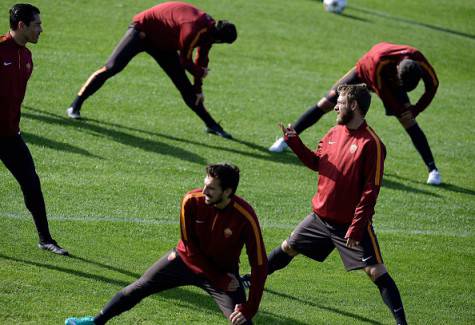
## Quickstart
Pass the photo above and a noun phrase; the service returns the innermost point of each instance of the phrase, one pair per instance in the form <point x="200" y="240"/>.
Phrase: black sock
<point x="278" y="259"/>
<point x="422" y="145"/>
<point x="309" y="118"/>
<point x="391" y="297"/>
<point x="77" y="103"/>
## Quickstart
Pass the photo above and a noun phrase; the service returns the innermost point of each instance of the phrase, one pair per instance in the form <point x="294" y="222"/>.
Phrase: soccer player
<point x="391" y="71"/>
<point x="349" y="160"/>
<point x="16" y="66"/>
<point x="162" y="31"/>
<point x="215" y="225"/>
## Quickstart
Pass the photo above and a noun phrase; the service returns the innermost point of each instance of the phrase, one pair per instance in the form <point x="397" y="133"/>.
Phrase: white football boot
<point x="434" y="177"/>
<point x="278" y="146"/>
<point x="72" y="114"/>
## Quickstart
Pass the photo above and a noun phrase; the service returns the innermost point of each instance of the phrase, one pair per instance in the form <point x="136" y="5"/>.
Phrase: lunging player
<point x="215" y="225"/>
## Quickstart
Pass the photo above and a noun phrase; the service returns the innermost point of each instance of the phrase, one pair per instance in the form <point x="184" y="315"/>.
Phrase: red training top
<point x="378" y="69"/>
<point x="212" y="240"/>
<point x="16" y="66"/>
<point x="350" y="166"/>
<point x="178" y="26"/>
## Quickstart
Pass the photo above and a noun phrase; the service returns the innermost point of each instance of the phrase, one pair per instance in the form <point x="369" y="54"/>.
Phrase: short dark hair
<point x="358" y="92"/>
<point x="225" y="32"/>
<point x="228" y="175"/>
<point x="22" y="12"/>
<point x="409" y="73"/>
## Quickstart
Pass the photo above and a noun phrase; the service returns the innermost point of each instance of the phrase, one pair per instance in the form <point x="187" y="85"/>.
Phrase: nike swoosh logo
<point x="364" y="259"/>
<point x="7" y="63"/>
<point x="331" y="142"/>
<point x="199" y="221"/>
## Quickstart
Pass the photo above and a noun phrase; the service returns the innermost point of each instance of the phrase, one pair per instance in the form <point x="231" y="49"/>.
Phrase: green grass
<point x="113" y="182"/>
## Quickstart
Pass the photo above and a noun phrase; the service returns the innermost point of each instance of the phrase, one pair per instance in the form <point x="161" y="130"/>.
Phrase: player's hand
<point x="200" y="98"/>
<point x="351" y="243"/>
<point x="289" y="131"/>
<point x="233" y="284"/>
<point x="237" y="317"/>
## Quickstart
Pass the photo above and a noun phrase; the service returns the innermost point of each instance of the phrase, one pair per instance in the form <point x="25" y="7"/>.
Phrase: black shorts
<point x="316" y="238"/>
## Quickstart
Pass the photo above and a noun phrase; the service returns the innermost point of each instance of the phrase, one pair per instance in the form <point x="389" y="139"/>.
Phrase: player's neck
<point x="355" y="122"/>
<point x="18" y="38"/>
<point x="224" y="203"/>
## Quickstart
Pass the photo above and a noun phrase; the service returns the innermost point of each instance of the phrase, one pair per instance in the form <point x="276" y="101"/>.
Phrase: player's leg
<point x="314" y="113"/>
<point x="419" y="139"/>
<point x="226" y="301"/>
<point x="170" y="63"/>
<point x="129" y="46"/>
<point x="17" y="158"/>
<point x="367" y="256"/>
<point x="309" y="238"/>
<point x="168" y="272"/>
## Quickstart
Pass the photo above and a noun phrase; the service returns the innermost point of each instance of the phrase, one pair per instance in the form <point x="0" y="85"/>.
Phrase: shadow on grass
<point x="105" y="129"/>
<point x="56" y="145"/>
<point x="353" y="316"/>
<point x="411" y="22"/>
<point x="118" y="136"/>
<point x="388" y="183"/>
<point x="444" y="186"/>
<point x="201" y="302"/>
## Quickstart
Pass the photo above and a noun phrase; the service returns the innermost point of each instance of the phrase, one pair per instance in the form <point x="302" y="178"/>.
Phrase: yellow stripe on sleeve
<point x="377" y="179"/>
<point x="255" y="230"/>
<point x="193" y="43"/>
<point x="182" y="212"/>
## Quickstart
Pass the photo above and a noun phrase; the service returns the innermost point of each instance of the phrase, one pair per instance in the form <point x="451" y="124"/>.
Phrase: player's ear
<point x="228" y="192"/>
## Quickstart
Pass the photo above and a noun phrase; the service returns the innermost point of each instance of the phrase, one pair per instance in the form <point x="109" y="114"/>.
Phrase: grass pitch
<point x="113" y="182"/>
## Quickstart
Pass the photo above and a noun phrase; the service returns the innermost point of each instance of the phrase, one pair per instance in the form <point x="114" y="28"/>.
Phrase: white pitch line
<point x="264" y="224"/>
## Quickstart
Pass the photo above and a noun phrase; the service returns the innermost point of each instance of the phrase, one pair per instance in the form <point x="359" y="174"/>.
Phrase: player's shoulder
<point x="4" y="40"/>
<point x="193" y="195"/>
<point x="372" y="138"/>
<point x="243" y="207"/>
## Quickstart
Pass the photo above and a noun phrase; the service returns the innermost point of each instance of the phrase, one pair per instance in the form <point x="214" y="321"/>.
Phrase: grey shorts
<point x="316" y="238"/>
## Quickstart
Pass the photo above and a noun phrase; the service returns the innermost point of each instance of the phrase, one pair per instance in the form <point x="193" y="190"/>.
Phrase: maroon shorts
<point x="316" y="238"/>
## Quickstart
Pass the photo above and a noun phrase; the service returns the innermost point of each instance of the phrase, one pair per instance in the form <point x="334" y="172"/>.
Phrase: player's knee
<point x="407" y="122"/>
<point x="288" y="249"/>
<point x="375" y="271"/>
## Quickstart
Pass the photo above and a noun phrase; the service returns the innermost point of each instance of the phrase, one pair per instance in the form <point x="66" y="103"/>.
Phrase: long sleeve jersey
<point x="212" y="240"/>
<point x="16" y="67"/>
<point x="378" y="69"/>
<point x="178" y="26"/>
<point x="350" y="167"/>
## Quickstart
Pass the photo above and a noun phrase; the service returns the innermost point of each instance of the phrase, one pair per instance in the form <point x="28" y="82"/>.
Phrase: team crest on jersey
<point x="227" y="233"/>
<point x="353" y="148"/>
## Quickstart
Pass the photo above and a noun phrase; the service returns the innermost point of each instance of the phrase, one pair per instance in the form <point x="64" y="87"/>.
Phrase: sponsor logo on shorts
<point x="364" y="259"/>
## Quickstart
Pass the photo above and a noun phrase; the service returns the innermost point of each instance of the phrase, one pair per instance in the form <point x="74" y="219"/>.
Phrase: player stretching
<point x="215" y="225"/>
<point x="391" y="71"/>
<point x="162" y="31"/>
<point x="349" y="160"/>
